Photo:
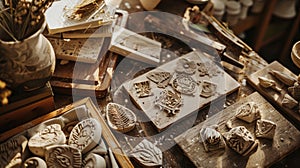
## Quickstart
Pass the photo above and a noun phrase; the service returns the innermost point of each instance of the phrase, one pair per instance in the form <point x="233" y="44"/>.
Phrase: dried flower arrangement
<point x="20" y="19"/>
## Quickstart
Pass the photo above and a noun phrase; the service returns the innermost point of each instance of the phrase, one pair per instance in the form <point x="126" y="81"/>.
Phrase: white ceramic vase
<point x="27" y="64"/>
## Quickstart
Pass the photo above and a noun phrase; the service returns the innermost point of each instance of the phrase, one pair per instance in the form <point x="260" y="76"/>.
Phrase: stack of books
<point x="76" y="29"/>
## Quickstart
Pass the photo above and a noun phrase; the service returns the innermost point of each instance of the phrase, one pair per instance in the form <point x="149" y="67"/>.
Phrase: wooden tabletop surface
<point x="173" y="156"/>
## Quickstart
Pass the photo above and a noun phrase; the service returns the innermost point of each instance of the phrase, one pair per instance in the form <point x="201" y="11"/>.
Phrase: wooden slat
<point x="267" y="153"/>
<point x="273" y="96"/>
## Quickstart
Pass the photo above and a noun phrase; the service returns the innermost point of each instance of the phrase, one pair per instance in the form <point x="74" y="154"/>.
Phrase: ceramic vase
<point x="28" y="64"/>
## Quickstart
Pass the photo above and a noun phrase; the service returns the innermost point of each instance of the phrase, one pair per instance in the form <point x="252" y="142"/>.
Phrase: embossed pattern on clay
<point x="211" y="139"/>
<point x="265" y="129"/>
<point x="248" y="112"/>
<point x="12" y="151"/>
<point x="208" y="89"/>
<point x="240" y="140"/>
<point x="169" y="101"/>
<point x="147" y="154"/>
<point x="51" y="135"/>
<point x="186" y="66"/>
<point x="85" y="135"/>
<point x="289" y="102"/>
<point x="63" y="156"/>
<point x="120" y="118"/>
<point x="184" y="84"/>
<point x="268" y="83"/>
<point x="160" y="78"/>
<point x="142" y="89"/>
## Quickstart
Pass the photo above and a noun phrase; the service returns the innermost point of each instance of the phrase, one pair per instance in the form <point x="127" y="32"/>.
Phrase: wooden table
<point x="127" y="69"/>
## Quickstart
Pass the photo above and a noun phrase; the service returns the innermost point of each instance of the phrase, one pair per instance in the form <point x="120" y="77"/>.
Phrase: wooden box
<point x="25" y="106"/>
<point x="70" y="114"/>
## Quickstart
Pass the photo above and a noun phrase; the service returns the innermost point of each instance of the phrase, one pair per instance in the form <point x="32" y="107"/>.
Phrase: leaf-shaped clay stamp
<point x="142" y="89"/>
<point x="34" y="162"/>
<point x="120" y="118"/>
<point x="240" y="140"/>
<point x="248" y="112"/>
<point x="63" y="156"/>
<point x="162" y="79"/>
<point x="147" y="154"/>
<point x="265" y="129"/>
<point x="169" y="101"/>
<point x="12" y="151"/>
<point x="94" y="161"/>
<point x="85" y="135"/>
<point x="284" y="78"/>
<point x="211" y="139"/>
<point x="186" y="66"/>
<point x="51" y="135"/>
<point x="208" y="89"/>
<point x="184" y="84"/>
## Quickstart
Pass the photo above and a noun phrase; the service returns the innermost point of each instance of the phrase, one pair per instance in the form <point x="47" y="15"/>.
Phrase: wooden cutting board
<point x="286" y="139"/>
<point x="273" y="96"/>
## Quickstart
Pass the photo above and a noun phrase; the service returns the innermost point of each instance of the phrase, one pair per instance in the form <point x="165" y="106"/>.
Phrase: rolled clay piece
<point x="12" y="151"/>
<point x="34" y="162"/>
<point x="147" y="154"/>
<point x="85" y="135"/>
<point x="51" y="135"/>
<point x="268" y="83"/>
<point x="94" y="161"/>
<point x="265" y="129"/>
<point x="289" y="102"/>
<point x="240" y="140"/>
<point x="63" y="156"/>
<point x="211" y="139"/>
<point x="284" y="78"/>
<point x="248" y="112"/>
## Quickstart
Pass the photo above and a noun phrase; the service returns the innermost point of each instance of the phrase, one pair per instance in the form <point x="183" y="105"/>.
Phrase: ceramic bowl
<point x="295" y="54"/>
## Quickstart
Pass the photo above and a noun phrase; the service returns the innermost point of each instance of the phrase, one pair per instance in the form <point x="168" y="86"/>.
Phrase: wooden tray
<point x="273" y="96"/>
<point x="286" y="139"/>
<point x="161" y="120"/>
<point x="91" y="111"/>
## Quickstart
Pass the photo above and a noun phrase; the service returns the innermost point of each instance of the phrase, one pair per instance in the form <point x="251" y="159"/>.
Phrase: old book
<point x="62" y="23"/>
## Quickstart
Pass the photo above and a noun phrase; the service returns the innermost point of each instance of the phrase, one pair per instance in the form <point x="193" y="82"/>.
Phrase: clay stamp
<point x="160" y="78"/>
<point x="248" y="112"/>
<point x="184" y="84"/>
<point x="147" y="154"/>
<point x="240" y="140"/>
<point x="12" y="151"/>
<point x="208" y="89"/>
<point x="211" y="139"/>
<point x="186" y="66"/>
<point x="142" y="89"/>
<point x="63" y="156"/>
<point x="51" y="135"/>
<point x="120" y="118"/>
<point x="94" y="161"/>
<point x="169" y="101"/>
<point x="34" y="162"/>
<point x="265" y="129"/>
<point x="85" y="135"/>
